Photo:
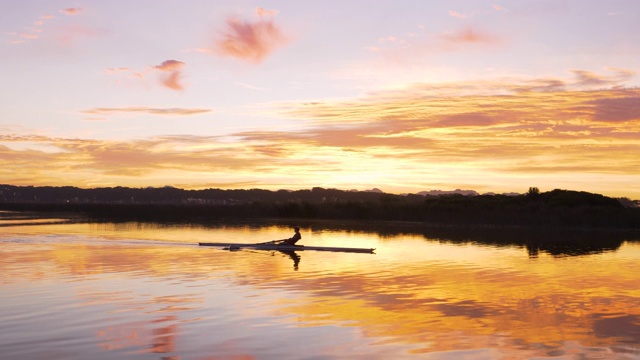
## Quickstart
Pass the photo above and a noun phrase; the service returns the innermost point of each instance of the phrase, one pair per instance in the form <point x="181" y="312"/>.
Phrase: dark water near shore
<point x="73" y="290"/>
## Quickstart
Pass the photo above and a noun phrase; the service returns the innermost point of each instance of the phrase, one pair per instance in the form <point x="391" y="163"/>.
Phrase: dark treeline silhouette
<point x="557" y="208"/>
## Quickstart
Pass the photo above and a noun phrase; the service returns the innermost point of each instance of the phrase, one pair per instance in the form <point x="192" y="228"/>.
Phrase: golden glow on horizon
<point x="400" y="143"/>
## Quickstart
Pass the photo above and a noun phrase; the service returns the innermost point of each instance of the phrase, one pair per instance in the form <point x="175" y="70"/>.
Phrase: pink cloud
<point x="30" y="33"/>
<point x="457" y="14"/>
<point x="251" y="40"/>
<point x="173" y="74"/>
<point x="409" y="48"/>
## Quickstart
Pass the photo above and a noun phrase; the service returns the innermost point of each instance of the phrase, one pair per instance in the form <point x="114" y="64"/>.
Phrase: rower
<point x="294" y="239"/>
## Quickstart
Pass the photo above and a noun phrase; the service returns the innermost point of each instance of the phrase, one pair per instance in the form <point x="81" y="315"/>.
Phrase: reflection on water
<point x="107" y="291"/>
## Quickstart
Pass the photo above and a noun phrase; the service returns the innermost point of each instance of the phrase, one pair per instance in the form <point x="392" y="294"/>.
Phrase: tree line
<point x="556" y="208"/>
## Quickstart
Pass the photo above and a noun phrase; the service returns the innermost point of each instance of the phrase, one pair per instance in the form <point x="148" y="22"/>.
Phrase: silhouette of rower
<point x="294" y="239"/>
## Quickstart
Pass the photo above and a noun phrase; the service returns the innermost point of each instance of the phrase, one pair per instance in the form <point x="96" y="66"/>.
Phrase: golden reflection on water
<point x="414" y="296"/>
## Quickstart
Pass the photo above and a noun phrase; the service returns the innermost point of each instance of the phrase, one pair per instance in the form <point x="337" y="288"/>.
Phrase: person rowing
<point x="294" y="239"/>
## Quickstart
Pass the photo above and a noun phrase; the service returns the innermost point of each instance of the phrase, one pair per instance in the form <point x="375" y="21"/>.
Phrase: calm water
<point x="144" y="291"/>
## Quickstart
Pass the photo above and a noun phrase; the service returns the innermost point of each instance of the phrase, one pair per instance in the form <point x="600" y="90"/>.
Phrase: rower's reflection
<point x="294" y="256"/>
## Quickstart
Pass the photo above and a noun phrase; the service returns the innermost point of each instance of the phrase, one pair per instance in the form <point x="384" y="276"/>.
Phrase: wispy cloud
<point x="147" y="110"/>
<point x="150" y="161"/>
<point x="251" y="40"/>
<point x="415" y="45"/>
<point x="65" y="33"/>
<point x="591" y="80"/>
<point x="469" y="35"/>
<point x="32" y="32"/>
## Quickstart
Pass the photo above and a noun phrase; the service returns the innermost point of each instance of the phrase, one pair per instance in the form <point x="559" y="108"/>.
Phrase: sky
<point x="403" y="96"/>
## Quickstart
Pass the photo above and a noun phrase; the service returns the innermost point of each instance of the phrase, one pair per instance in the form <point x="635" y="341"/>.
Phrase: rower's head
<point x="297" y="228"/>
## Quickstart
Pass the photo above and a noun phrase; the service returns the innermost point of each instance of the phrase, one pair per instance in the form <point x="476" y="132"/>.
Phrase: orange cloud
<point x="469" y="35"/>
<point x="71" y="11"/>
<point x="173" y="78"/>
<point x="252" y="41"/>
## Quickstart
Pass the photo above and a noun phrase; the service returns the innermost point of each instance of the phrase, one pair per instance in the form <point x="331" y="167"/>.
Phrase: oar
<point x="271" y="242"/>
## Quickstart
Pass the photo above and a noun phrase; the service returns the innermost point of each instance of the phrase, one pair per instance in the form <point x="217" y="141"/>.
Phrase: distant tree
<point x="533" y="192"/>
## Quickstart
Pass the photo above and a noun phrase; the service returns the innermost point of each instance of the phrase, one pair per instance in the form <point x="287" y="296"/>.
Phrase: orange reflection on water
<point x="428" y="296"/>
<point x="457" y="306"/>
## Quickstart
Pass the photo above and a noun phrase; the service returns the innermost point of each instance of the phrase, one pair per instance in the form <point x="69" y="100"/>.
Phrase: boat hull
<point x="232" y="246"/>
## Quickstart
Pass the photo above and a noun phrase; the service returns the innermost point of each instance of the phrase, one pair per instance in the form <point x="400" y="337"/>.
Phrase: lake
<point x="78" y="290"/>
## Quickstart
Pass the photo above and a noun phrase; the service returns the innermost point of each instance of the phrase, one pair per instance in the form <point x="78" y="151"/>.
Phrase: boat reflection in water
<point x="131" y="290"/>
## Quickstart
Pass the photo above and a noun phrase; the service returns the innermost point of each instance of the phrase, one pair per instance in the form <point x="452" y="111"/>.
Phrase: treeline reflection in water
<point x="553" y="241"/>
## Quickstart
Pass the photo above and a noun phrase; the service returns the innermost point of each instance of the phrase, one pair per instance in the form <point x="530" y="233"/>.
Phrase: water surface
<point x="73" y="290"/>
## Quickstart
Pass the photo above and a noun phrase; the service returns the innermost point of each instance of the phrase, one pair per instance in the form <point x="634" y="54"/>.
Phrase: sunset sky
<point x="404" y="96"/>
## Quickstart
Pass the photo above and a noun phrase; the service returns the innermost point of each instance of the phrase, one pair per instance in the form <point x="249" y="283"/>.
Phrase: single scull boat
<point x="272" y="246"/>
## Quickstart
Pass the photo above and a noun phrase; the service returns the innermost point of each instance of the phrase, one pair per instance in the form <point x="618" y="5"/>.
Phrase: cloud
<point x="65" y="33"/>
<point x="590" y="79"/>
<point x="492" y="124"/>
<point x="617" y="109"/>
<point x="30" y="33"/>
<point x="117" y="70"/>
<point x="139" y="162"/>
<point x="469" y="35"/>
<point x="169" y="72"/>
<point x="414" y="46"/>
<point x="147" y="110"/>
<point x="71" y="11"/>
<point x="69" y="34"/>
<point x="497" y="7"/>
<point x="264" y="12"/>
<point x="251" y="41"/>
<point x="457" y="14"/>
<point x="172" y="78"/>
<point x="170" y="65"/>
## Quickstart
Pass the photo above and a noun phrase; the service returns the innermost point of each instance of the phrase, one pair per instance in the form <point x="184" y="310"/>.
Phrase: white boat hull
<point x="278" y="247"/>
